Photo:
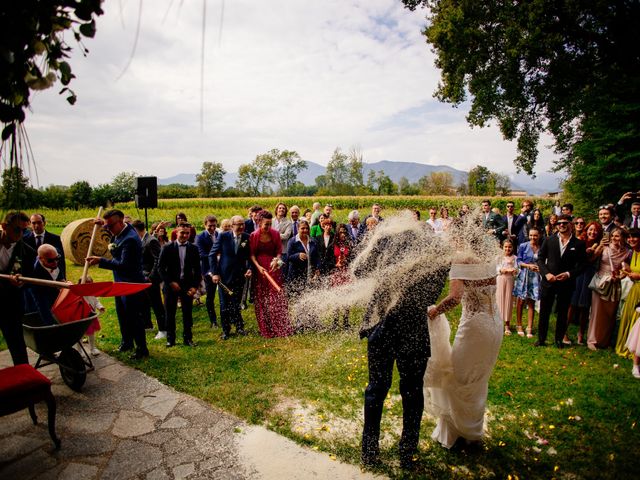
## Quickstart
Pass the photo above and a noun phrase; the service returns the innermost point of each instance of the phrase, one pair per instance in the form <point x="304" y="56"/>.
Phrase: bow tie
<point x="182" y="244"/>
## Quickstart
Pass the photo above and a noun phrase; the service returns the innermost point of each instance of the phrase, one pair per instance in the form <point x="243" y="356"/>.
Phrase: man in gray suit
<point x="492" y="222"/>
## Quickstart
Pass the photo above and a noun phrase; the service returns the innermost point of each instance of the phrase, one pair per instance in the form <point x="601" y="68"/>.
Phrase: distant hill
<point x="544" y="182"/>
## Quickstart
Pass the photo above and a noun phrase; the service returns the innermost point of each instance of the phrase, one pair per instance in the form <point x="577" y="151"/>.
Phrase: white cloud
<point x="302" y="75"/>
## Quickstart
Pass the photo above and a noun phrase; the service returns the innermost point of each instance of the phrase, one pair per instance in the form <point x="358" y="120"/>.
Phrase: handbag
<point x="606" y="286"/>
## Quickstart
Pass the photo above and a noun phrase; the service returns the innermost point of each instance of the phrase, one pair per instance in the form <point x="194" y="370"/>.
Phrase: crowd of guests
<point x="586" y="270"/>
<point x="271" y="257"/>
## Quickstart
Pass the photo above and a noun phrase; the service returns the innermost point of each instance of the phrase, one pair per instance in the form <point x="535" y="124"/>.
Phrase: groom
<point x="401" y="336"/>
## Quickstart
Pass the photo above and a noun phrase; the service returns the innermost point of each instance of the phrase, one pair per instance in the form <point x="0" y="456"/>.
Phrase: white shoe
<point x="95" y="352"/>
<point x="161" y="335"/>
<point x="635" y="371"/>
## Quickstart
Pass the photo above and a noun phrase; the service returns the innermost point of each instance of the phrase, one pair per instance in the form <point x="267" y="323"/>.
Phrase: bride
<point x="457" y="377"/>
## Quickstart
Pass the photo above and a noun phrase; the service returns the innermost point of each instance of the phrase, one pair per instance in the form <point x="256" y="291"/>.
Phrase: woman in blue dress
<point x="527" y="284"/>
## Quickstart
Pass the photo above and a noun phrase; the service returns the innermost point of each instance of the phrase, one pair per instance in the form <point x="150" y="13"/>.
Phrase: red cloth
<point x="19" y="380"/>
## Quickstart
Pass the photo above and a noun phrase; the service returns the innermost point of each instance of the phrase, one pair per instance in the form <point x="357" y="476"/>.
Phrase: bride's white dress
<point x="457" y="377"/>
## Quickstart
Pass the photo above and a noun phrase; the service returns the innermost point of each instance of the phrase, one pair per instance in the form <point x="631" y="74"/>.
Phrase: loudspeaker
<point x="147" y="192"/>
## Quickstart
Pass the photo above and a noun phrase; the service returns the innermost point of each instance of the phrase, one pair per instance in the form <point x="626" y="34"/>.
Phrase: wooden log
<point x="76" y="238"/>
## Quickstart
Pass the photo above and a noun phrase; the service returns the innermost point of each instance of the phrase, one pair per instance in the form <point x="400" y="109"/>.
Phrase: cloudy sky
<point x="289" y="74"/>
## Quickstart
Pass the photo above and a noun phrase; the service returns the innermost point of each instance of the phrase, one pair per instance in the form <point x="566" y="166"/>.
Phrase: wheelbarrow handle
<point x="38" y="281"/>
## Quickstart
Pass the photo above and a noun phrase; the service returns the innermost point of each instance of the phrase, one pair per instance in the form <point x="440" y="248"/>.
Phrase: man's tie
<point x="237" y="243"/>
<point x="635" y="222"/>
<point x="295" y="228"/>
<point x="38" y="241"/>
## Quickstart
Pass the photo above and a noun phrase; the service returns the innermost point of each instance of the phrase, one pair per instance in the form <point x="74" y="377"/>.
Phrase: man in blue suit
<point x="39" y="297"/>
<point x="179" y="267"/>
<point x="250" y="224"/>
<point x="229" y="261"/>
<point x="126" y="264"/>
<point x="204" y="242"/>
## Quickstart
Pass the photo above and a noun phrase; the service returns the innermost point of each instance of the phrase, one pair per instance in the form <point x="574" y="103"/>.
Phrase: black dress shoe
<point x="139" y="355"/>
<point x="125" y="348"/>
<point x="540" y="344"/>
<point x="240" y="331"/>
<point x="224" y="336"/>
<point x="190" y="343"/>
<point x="559" y="345"/>
<point x="170" y="344"/>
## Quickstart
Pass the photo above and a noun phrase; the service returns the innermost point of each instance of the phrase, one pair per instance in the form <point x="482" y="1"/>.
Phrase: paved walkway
<point x="125" y="424"/>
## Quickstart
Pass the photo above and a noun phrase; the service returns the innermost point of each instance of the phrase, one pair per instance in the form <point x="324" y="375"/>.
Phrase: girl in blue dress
<point x="527" y="284"/>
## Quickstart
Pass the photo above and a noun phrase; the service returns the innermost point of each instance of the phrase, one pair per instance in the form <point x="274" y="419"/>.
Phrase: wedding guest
<point x="179" y="267"/>
<point x="326" y="251"/>
<point x="284" y="226"/>
<point x="492" y="222"/>
<point x="39" y="235"/>
<point x="507" y="271"/>
<point x="270" y="303"/>
<point x="307" y="215"/>
<point x="294" y="213"/>
<point x="434" y="222"/>
<point x="561" y="259"/>
<point x="204" y="242"/>
<point x="550" y="227"/>
<point x="581" y="297"/>
<point x="251" y="224"/>
<point x="303" y="260"/>
<point x="567" y="209"/>
<point x="342" y="252"/>
<point x="181" y="218"/>
<point x="629" y="316"/>
<point x="150" y="254"/>
<point x="126" y="265"/>
<point x="603" y="310"/>
<point x="631" y="218"/>
<point x="633" y="344"/>
<point x="579" y="229"/>
<point x="159" y="231"/>
<point x="510" y="224"/>
<point x="445" y="218"/>
<point x="527" y="283"/>
<point x="229" y="263"/>
<point x="40" y="298"/>
<point x="520" y="229"/>
<point x="225" y="225"/>
<point x="605" y="217"/>
<point x="537" y="222"/>
<point x="315" y="215"/>
<point x="354" y="226"/>
<point x="464" y="210"/>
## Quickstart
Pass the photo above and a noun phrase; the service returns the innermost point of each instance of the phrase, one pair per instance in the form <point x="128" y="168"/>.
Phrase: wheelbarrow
<point x="54" y="344"/>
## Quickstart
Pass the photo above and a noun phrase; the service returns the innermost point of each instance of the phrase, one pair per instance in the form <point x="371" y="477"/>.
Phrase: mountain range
<point x="543" y="183"/>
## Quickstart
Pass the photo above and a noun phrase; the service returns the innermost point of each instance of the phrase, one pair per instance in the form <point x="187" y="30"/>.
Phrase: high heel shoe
<point x="520" y="331"/>
<point x="507" y="330"/>
<point x="529" y="334"/>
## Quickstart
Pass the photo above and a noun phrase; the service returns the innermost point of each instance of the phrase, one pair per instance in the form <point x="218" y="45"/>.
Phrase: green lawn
<point x="568" y="413"/>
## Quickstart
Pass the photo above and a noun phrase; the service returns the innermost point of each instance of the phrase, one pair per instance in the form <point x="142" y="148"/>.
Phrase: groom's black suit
<point x="401" y="336"/>
<point x="552" y="260"/>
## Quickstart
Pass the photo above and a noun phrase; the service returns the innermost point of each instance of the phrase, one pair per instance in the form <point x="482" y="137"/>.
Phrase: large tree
<point x="211" y="179"/>
<point x="256" y="177"/>
<point x="290" y="164"/>
<point x="541" y="65"/>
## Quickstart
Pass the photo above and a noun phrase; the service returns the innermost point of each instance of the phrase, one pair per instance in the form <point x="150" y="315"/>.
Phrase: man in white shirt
<point x="434" y="222"/>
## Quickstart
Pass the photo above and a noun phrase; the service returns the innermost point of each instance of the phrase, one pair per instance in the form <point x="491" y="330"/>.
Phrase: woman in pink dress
<point x="270" y="304"/>
<point x="603" y="312"/>
<point x="507" y="271"/>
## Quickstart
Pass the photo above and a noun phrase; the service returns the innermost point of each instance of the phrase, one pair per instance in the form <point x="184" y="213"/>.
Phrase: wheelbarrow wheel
<point x="72" y="368"/>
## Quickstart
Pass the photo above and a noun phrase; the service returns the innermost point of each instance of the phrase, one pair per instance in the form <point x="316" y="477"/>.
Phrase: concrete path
<point x="125" y="424"/>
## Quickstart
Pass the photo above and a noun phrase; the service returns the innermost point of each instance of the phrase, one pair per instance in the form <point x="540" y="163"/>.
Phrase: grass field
<point x="569" y="413"/>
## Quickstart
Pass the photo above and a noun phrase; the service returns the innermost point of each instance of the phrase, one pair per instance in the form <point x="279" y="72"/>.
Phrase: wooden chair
<point x="22" y="387"/>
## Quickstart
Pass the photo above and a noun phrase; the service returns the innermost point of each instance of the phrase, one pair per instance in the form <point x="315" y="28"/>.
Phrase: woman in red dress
<point x="342" y="250"/>
<point x="270" y="304"/>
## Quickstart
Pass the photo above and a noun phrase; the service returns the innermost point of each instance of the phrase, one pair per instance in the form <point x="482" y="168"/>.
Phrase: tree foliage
<point x="211" y="179"/>
<point x="256" y="177"/>
<point x="290" y="164"/>
<point x="436" y="183"/>
<point x="123" y="187"/>
<point x="537" y="66"/>
<point x="33" y="54"/>
<point x="80" y="194"/>
<point x="483" y="182"/>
